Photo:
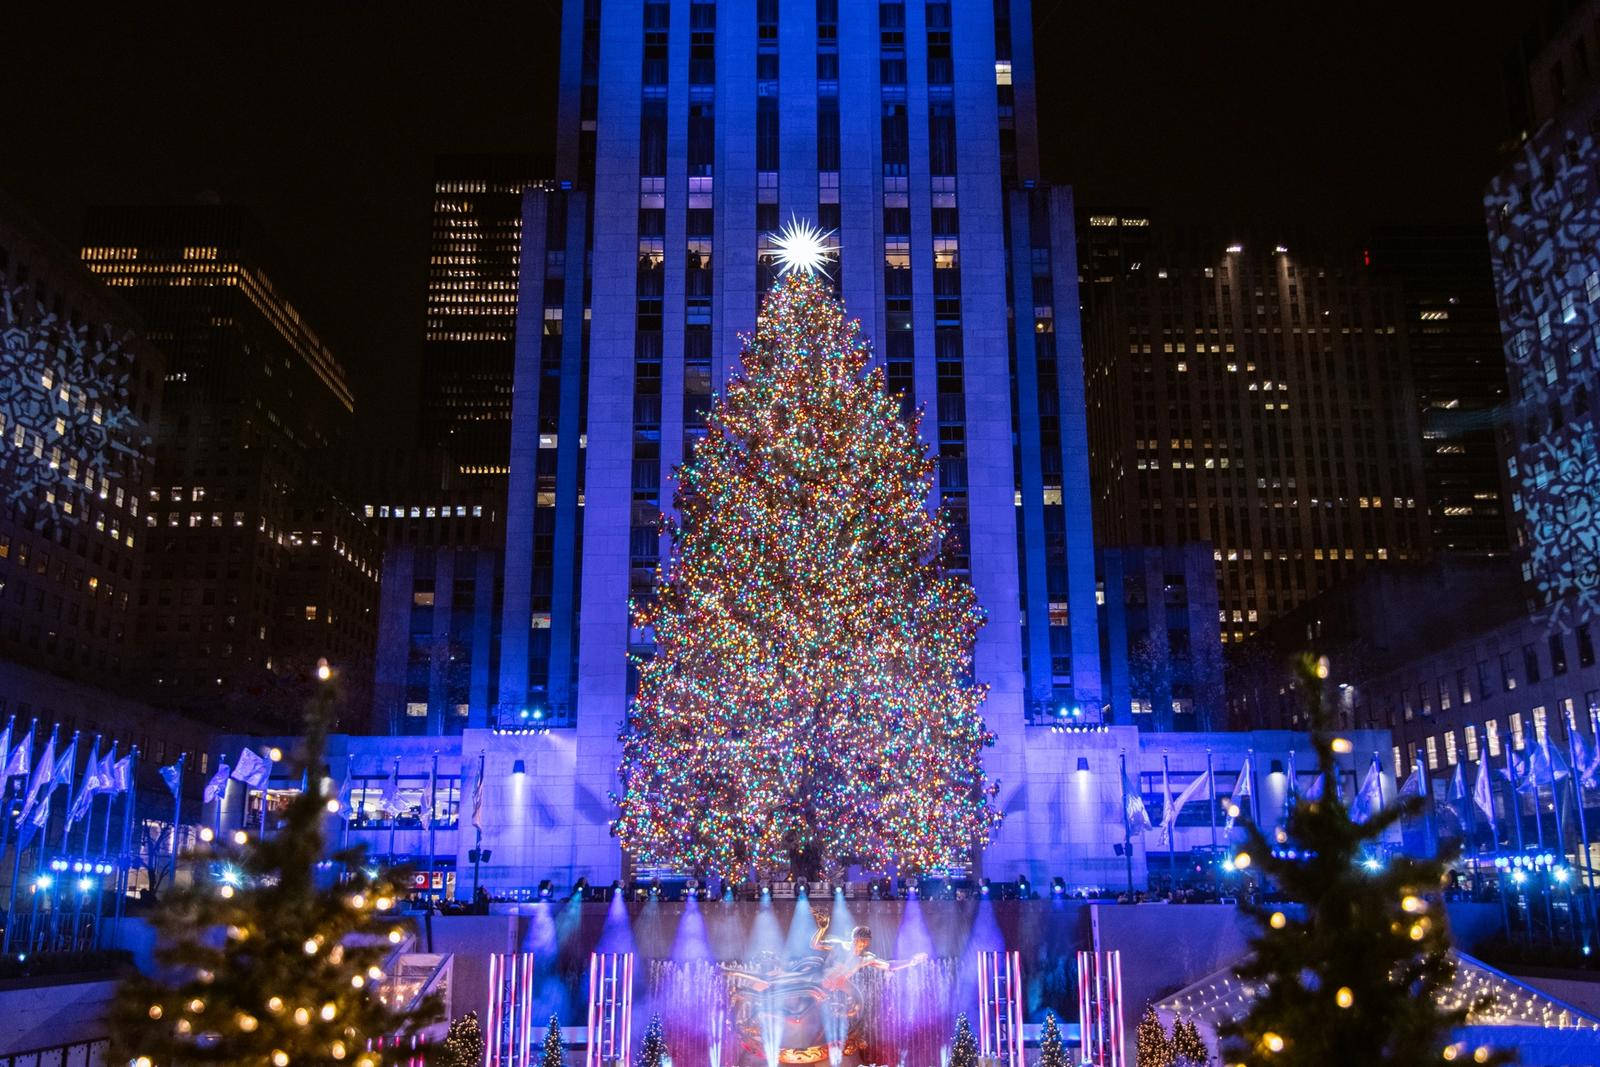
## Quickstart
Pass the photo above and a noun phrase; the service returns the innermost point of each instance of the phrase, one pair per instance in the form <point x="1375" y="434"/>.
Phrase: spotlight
<point x="801" y="891"/>
<point x="546" y="890"/>
<point x="538" y="714"/>
<point x="578" y="890"/>
<point x="1058" y="886"/>
<point x="1024" y="891"/>
<point x="983" y="888"/>
<point x="1083" y="764"/>
<point x="44" y="881"/>
<point x="727" y="894"/>
<point x="84" y="884"/>
<point x="838" y="890"/>
<point x="616" y="888"/>
<point x="519" y="768"/>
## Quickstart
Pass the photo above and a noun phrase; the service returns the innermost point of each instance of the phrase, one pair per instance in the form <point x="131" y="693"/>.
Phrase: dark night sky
<point x="324" y="118"/>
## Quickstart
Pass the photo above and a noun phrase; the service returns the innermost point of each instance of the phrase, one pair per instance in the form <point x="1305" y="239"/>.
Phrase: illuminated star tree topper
<point x="802" y="247"/>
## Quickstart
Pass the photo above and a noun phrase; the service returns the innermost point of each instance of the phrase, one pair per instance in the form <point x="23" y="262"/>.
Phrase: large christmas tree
<point x="279" y="959"/>
<point x="811" y="701"/>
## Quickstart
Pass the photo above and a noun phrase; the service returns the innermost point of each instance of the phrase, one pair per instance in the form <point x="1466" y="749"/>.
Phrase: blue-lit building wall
<point x="688" y="132"/>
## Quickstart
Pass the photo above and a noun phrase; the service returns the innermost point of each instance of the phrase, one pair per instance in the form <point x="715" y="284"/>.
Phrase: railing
<point x="77" y="1054"/>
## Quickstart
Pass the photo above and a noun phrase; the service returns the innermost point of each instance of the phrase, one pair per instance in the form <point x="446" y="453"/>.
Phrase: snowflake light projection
<point x="1545" y="227"/>
<point x="65" y="424"/>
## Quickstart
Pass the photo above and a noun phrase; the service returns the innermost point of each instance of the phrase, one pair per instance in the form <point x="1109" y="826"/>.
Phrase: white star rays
<point x="804" y="247"/>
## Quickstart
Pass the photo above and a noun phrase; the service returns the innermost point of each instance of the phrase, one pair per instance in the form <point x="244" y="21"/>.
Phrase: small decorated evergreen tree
<point x="1052" y="1052"/>
<point x="1355" y="976"/>
<point x="1188" y="1047"/>
<point x="276" y="961"/>
<point x="964" y="1049"/>
<point x="463" y="1045"/>
<point x="653" y="1050"/>
<point x="554" y="1052"/>
<point x="1151" y="1047"/>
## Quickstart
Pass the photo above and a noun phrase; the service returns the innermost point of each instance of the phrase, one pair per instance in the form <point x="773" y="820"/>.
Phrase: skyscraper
<point x="699" y="129"/>
<point x="1253" y="392"/>
<point x="467" y="352"/>
<point x="257" y="564"/>
<point x="1543" y="212"/>
<point x="1458" y="370"/>
<point x="80" y="398"/>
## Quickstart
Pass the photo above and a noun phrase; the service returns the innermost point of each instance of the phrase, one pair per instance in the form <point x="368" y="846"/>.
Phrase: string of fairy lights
<point x="811" y="691"/>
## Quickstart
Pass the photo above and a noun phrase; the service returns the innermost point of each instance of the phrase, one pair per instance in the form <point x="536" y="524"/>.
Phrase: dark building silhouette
<point x="257" y="563"/>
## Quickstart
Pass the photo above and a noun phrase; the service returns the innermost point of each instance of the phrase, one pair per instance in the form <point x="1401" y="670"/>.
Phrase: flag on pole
<point x="389" y="802"/>
<point x="425" y="812"/>
<point x="88" y="789"/>
<point x="65" y="765"/>
<point x="172" y="774"/>
<point x="219" y="782"/>
<point x="1413" y="787"/>
<point x="477" y="799"/>
<point x="1134" y="816"/>
<point x="122" y="774"/>
<point x="1314" y="790"/>
<point x="1189" y="792"/>
<point x="1166" y="804"/>
<point x="17" y="762"/>
<point x="1241" y="787"/>
<point x="42" y="771"/>
<point x="251" y="769"/>
<point x="5" y="739"/>
<point x="1369" y="798"/>
<point x="1482" y="794"/>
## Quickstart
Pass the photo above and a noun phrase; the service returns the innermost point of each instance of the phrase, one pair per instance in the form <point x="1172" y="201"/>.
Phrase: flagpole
<point x="5" y="784"/>
<point x="123" y="860"/>
<point x="1290" y="786"/>
<point x="177" y="815"/>
<point x="46" y="941"/>
<point x="1583" y="821"/>
<point x="90" y="769"/>
<point x="1255" y="789"/>
<point x="222" y="798"/>
<point x="1127" y="831"/>
<point x="16" y="854"/>
<point x="1211" y="787"/>
<point x="344" y="831"/>
<point x="5" y="793"/>
<point x="1555" y="805"/>
<point x="477" y="828"/>
<point x="1172" y="824"/>
<point x="433" y="812"/>
<point x="394" y="816"/>
<point x="266" y="786"/>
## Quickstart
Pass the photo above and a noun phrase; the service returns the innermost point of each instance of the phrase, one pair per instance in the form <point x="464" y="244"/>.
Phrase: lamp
<point x="519" y="768"/>
<point x="1083" y="764"/>
<point x="1277" y="766"/>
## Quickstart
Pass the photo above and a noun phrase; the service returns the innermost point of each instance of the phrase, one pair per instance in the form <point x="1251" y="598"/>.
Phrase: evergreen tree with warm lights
<point x="964" y="1049"/>
<point x="1355" y="973"/>
<point x="1052" y="1050"/>
<point x="810" y="703"/>
<point x="463" y="1045"/>
<point x="653" y="1049"/>
<point x="280" y="966"/>
<point x="1188" y="1047"/>
<point x="1151" y="1047"/>
<point x="555" y="1053"/>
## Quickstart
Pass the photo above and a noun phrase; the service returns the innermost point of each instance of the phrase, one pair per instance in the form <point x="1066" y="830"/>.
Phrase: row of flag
<point x="103" y="774"/>
<point x="1543" y="766"/>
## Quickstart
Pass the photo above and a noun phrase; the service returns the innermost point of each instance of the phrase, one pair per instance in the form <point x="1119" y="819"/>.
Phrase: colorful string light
<point x="811" y="693"/>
